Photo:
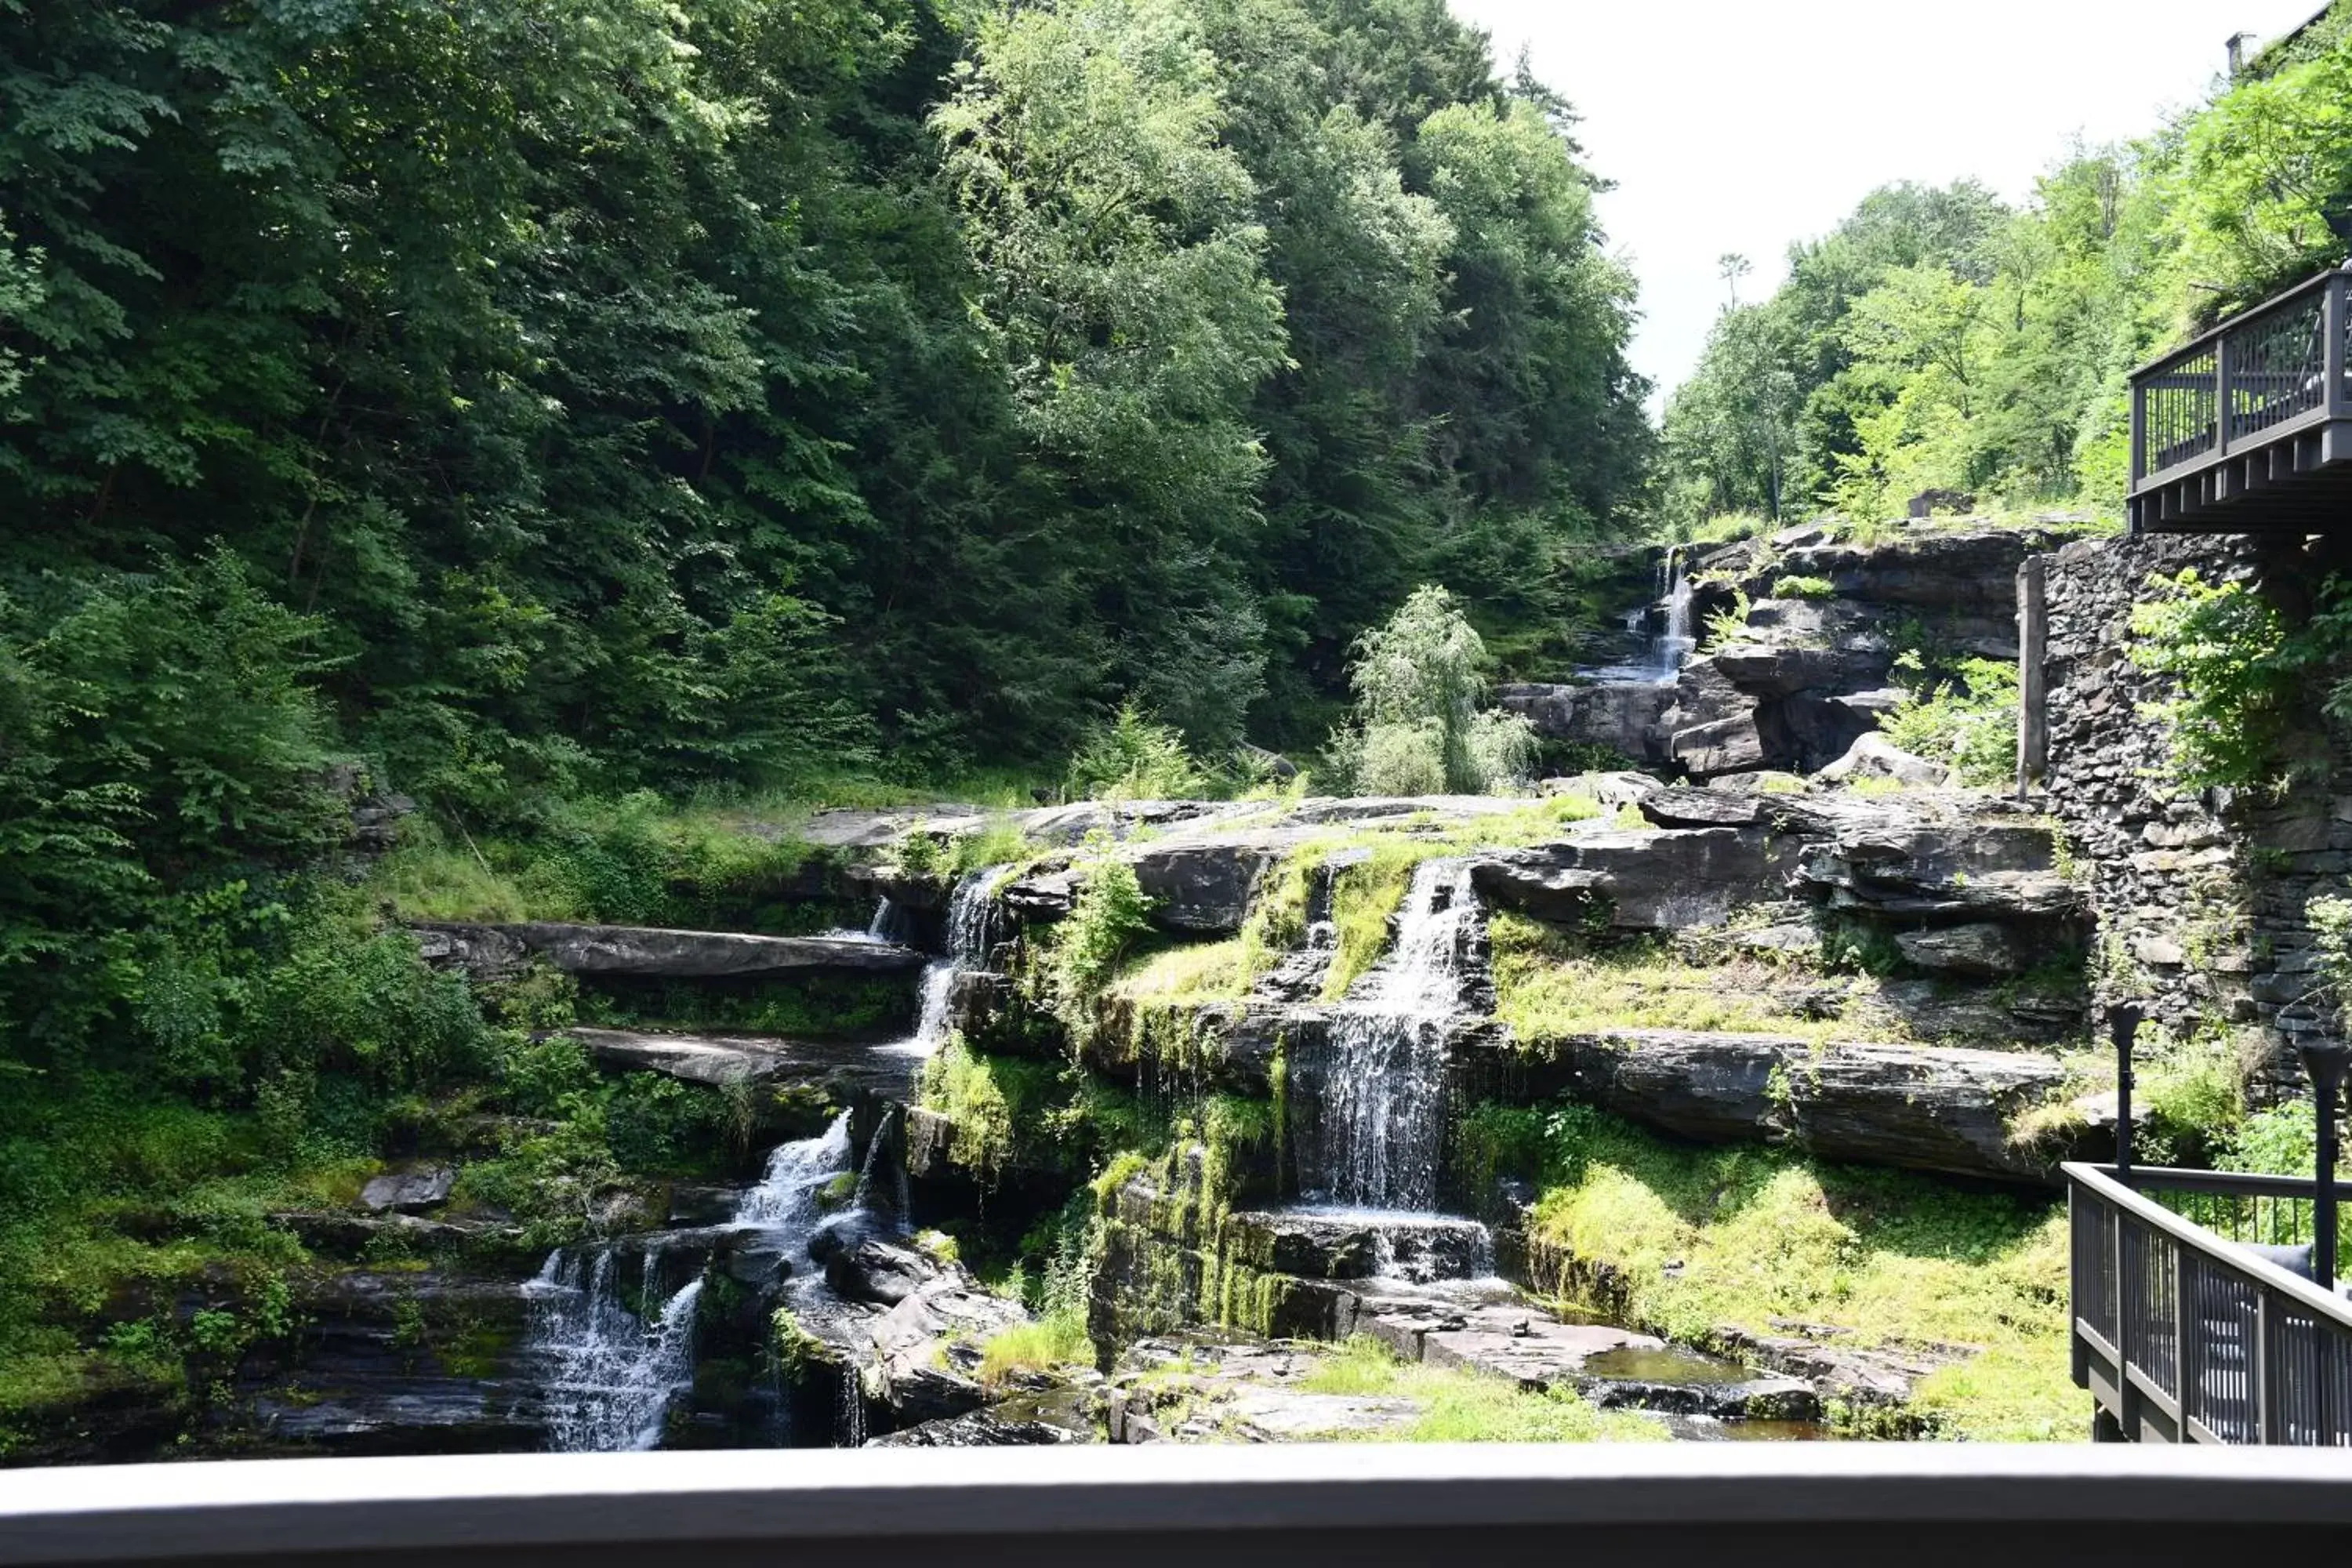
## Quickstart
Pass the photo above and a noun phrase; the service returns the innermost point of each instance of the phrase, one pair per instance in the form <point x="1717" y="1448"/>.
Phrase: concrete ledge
<point x="1792" y="1503"/>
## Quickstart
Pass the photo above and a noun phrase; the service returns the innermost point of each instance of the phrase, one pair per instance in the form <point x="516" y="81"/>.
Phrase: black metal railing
<point x="2182" y="1331"/>
<point x="2255" y="378"/>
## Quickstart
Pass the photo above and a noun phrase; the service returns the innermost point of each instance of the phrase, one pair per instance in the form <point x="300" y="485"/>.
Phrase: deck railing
<point x="2182" y="1333"/>
<point x="2253" y="380"/>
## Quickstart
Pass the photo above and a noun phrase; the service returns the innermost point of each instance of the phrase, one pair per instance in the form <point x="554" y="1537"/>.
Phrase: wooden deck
<point x="2182" y="1333"/>
<point x="2249" y="428"/>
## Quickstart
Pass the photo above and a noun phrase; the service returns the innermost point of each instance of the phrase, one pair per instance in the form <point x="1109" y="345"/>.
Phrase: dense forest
<point x="581" y="419"/>
<point x="522" y="406"/>
<point x="1942" y="340"/>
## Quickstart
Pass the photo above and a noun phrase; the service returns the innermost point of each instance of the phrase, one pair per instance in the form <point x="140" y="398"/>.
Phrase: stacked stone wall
<point x="2199" y="896"/>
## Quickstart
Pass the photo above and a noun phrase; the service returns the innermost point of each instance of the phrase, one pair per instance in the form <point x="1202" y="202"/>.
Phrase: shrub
<point x="2240" y="675"/>
<point x="1804" y="588"/>
<point x="1110" y="912"/>
<point x="1132" y="758"/>
<point x="1418" y="728"/>
<point x="1969" y="723"/>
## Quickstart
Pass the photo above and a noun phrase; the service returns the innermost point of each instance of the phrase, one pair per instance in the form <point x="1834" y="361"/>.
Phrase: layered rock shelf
<point x="646" y="952"/>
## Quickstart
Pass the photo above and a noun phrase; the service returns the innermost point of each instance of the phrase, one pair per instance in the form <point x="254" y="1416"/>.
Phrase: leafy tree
<point x="1418" y="728"/>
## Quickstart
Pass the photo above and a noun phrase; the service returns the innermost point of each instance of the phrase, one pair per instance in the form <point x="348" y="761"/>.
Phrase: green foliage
<point x="2241" y="677"/>
<point x="1458" y="1406"/>
<point x="1969" y="723"/>
<point x="1131" y="758"/>
<point x="1418" y="728"/>
<point x="1689" y="1239"/>
<point x="1804" y="588"/>
<point x="1728" y="625"/>
<point x="1104" y="920"/>
<point x="1937" y="339"/>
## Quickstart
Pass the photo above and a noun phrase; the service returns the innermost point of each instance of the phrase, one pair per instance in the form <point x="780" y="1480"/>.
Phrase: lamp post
<point x="2123" y="1027"/>
<point x="2325" y="1061"/>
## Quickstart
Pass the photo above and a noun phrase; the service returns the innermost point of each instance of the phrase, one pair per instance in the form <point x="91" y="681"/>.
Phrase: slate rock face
<point x="1620" y="716"/>
<point x="409" y="1191"/>
<point x="653" y="954"/>
<point x="1939" y="1109"/>
<point x="1980" y="949"/>
<point x="1659" y="881"/>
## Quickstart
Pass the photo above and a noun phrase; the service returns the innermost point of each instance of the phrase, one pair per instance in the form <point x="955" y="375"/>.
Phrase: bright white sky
<point x="1741" y="125"/>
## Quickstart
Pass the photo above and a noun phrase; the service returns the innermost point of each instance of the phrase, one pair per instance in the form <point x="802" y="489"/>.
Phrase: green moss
<point x="1057" y="1339"/>
<point x="1460" y="1406"/>
<point x="1550" y="983"/>
<point x="1685" y="1240"/>
<point x="797" y="1352"/>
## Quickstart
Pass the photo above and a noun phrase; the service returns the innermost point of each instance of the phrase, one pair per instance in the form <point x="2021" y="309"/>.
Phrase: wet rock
<point x="651" y="953"/>
<point x="1874" y="756"/>
<point x="977" y="1429"/>
<point x="1347" y="1245"/>
<point x="1928" y="1108"/>
<point x="870" y="1269"/>
<point x="831" y="1070"/>
<point x="373" y="1370"/>
<point x="409" y="1191"/>
<point x="1981" y="950"/>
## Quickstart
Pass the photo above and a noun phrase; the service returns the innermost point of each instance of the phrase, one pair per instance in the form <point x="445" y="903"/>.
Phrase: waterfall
<point x="787" y="1197"/>
<point x="970" y="929"/>
<point x="879" y="1149"/>
<point x="885" y="924"/>
<point x="1673" y="644"/>
<point x="611" y="1375"/>
<point x="1384" y="1086"/>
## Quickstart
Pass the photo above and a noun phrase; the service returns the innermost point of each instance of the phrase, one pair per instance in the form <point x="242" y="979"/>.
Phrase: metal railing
<point x="2186" y="1335"/>
<point x="2251" y="380"/>
<point x="1162" y="1505"/>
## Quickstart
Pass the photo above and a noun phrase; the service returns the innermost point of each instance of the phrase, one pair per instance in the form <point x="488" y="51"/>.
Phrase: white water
<point x="968" y="932"/>
<point x="1384" y="1090"/>
<point x="611" y="1377"/>
<point x="611" y="1374"/>
<point x="1675" y="643"/>
<point x="1669" y="646"/>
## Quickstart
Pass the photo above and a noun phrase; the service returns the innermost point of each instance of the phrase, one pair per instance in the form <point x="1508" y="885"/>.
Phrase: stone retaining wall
<point x="2200" y="897"/>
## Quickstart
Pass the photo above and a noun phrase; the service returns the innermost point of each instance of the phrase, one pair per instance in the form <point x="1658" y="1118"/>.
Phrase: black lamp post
<point x="2325" y="1061"/>
<point x="2123" y="1027"/>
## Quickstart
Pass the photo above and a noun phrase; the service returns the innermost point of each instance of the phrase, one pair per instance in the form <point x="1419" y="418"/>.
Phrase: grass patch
<point x="1462" y="1406"/>
<point x="1197" y="972"/>
<point x="1550" y="984"/>
<point x="1057" y="1339"/>
<point x="1701" y="1237"/>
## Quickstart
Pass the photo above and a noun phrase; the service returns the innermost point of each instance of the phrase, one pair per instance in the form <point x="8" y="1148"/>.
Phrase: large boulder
<point x="1650" y="881"/>
<point x="1874" y="756"/>
<point x="1939" y="1109"/>
<point x="1980" y="949"/>
<point x="1621" y="716"/>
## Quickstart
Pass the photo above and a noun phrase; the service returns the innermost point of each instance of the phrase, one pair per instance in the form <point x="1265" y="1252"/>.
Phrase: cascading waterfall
<point x="969" y="931"/>
<point x="611" y="1375"/>
<point x="1384" y="1090"/>
<point x="1673" y="644"/>
<point x="884" y="927"/>
<point x="878" y="1149"/>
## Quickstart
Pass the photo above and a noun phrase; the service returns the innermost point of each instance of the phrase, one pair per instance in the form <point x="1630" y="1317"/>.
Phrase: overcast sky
<point x="1740" y="125"/>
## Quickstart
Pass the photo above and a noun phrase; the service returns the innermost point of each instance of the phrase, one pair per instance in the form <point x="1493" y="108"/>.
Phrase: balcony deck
<point x="2249" y="428"/>
<point x="2182" y="1333"/>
